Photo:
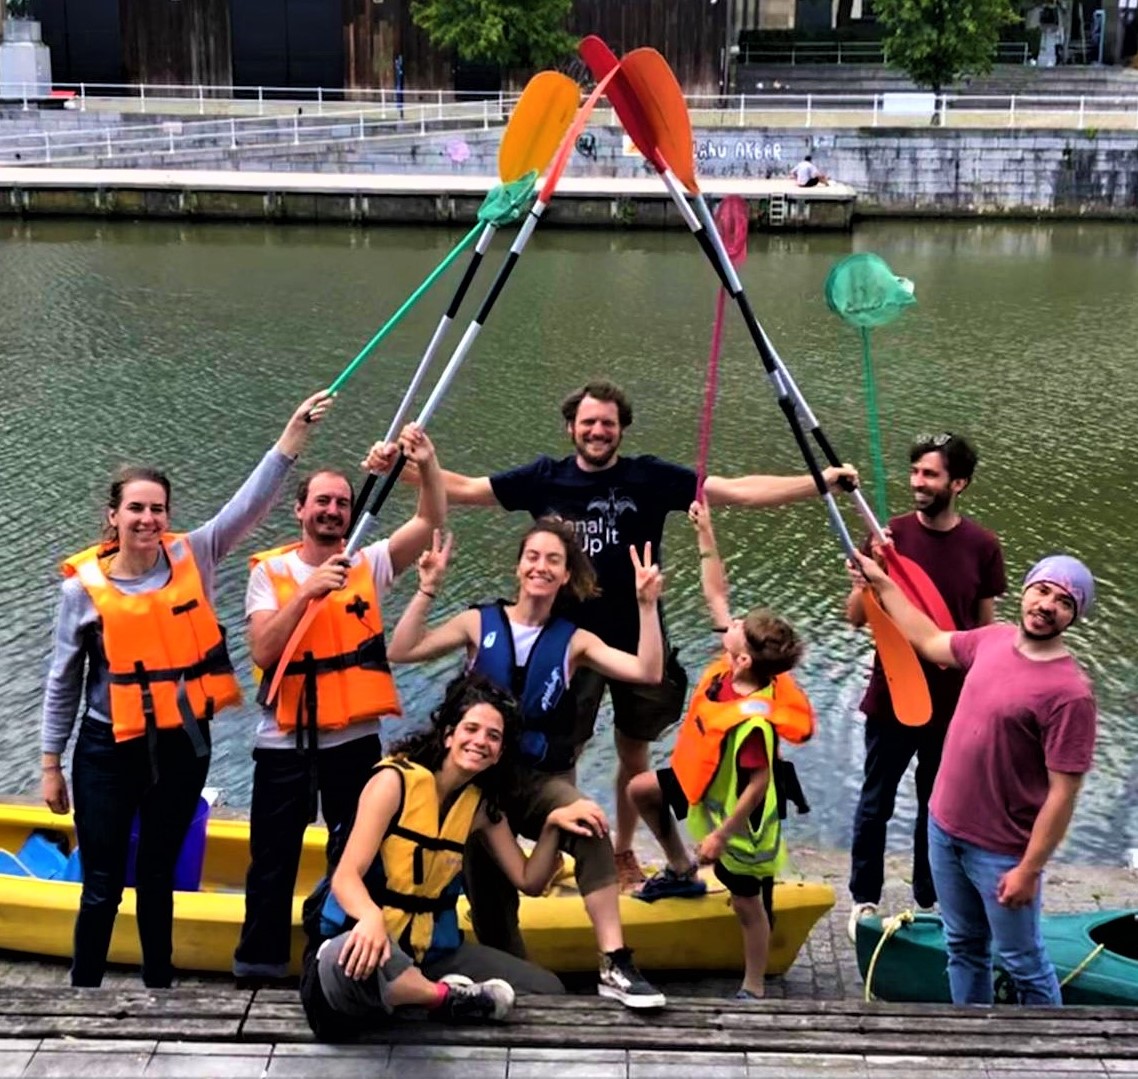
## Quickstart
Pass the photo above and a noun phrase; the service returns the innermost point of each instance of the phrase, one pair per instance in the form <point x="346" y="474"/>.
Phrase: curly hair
<point x="582" y="583"/>
<point x="428" y="745"/>
<point x="599" y="389"/>
<point x="772" y="643"/>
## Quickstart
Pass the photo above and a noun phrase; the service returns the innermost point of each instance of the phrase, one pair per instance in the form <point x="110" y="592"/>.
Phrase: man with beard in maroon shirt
<point x="966" y="564"/>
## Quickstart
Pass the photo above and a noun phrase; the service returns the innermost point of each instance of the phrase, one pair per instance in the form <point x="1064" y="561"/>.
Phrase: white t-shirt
<point x="259" y="596"/>
<point x="804" y="172"/>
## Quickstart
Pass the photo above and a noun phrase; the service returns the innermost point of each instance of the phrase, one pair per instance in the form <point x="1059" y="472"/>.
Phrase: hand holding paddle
<point x="309" y="413"/>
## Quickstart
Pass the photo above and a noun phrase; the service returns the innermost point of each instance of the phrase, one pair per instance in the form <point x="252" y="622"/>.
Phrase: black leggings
<point x="110" y="781"/>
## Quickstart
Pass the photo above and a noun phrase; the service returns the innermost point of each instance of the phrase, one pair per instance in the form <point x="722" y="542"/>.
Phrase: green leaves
<point x="510" y="33"/>
<point x="937" y="42"/>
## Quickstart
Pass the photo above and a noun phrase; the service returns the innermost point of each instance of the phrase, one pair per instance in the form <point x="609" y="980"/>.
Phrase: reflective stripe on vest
<point x="759" y="851"/>
<point x="167" y="662"/>
<point x="699" y="744"/>
<point x="548" y="710"/>
<point x="343" y="651"/>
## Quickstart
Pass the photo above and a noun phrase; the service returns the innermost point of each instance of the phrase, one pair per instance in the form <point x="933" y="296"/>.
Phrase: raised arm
<point x="255" y="497"/>
<point x="712" y="577"/>
<point x="412" y="641"/>
<point x="759" y="491"/>
<point x="648" y="663"/>
<point x="410" y="539"/>
<point x="460" y="490"/>
<point x="922" y="632"/>
<point x="368" y="945"/>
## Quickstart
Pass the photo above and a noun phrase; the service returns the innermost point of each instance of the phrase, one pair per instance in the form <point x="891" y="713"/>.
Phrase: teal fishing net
<point x="863" y="291"/>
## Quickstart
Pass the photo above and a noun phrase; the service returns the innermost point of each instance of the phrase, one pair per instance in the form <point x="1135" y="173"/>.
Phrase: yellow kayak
<point x="37" y="916"/>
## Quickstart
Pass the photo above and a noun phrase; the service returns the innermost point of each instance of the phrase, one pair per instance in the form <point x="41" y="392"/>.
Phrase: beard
<point x="1032" y="635"/>
<point x="325" y="530"/>
<point x="938" y="502"/>
<point x="596" y="453"/>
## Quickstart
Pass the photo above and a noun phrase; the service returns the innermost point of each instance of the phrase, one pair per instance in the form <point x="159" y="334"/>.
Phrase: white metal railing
<point x="90" y="142"/>
<point x="178" y="138"/>
<point x="255" y="100"/>
<point x="1112" y="112"/>
<point x="852" y="52"/>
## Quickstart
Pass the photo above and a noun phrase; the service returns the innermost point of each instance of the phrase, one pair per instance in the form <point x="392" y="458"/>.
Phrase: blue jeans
<point x="975" y="924"/>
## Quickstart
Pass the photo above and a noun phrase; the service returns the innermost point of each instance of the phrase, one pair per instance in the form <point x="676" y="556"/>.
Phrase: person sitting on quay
<point x="725" y="775"/>
<point x="137" y="640"/>
<point x="527" y="647"/>
<point x="321" y="735"/>
<point x="1020" y="741"/>
<point x="382" y="929"/>
<point x="807" y="174"/>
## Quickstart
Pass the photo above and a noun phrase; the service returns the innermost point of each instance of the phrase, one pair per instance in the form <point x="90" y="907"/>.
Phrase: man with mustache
<point x="966" y="564"/>
<point x="321" y="735"/>
<point x="616" y="501"/>
<point x="1020" y="741"/>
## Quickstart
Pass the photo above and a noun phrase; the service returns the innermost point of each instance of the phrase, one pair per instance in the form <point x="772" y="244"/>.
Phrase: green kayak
<point x="1095" y="955"/>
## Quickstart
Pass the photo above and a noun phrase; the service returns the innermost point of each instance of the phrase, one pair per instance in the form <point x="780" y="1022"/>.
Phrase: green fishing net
<point x="508" y="203"/>
<point x="863" y="291"/>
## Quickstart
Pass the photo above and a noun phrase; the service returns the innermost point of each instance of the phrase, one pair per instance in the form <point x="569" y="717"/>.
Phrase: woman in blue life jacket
<point x="530" y="649"/>
<point x="383" y="931"/>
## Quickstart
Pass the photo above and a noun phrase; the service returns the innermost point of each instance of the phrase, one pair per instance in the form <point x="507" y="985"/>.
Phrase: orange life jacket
<point x="339" y="674"/>
<point x="166" y="656"/>
<point x="699" y="745"/>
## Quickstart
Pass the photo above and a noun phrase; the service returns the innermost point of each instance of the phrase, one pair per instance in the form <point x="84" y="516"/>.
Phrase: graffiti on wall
<point x="728" y="156"/>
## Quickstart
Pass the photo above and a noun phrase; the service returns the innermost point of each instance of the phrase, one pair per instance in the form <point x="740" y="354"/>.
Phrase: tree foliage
<point x="510" y="33"/>
<point x="936" y="42"/>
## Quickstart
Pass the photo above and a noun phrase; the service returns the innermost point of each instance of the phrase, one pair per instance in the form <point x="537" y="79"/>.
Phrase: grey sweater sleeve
<point x="64" y="688"/>
<point x="239" y="516"/>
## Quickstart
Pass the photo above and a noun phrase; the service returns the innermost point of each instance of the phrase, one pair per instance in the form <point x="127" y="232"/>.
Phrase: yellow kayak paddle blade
<point x="537" y="125"/>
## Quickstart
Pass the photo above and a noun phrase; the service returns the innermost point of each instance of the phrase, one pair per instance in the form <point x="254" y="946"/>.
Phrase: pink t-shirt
<point x="1016" y="720"/>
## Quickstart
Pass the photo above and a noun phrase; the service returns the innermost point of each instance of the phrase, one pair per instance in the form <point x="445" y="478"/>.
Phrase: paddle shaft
<point x="410" y="302"/>
<point x="368" y="517"/>
<point x="709" y="240"/>
<point x="428" y="358"/>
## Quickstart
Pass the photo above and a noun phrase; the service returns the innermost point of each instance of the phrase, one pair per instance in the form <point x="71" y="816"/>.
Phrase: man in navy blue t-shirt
<point x="617" y="501"/>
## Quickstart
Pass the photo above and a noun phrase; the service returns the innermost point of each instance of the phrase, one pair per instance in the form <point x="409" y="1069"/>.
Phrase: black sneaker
<point x="621" y="981"/>
<point x="491" y="999"/>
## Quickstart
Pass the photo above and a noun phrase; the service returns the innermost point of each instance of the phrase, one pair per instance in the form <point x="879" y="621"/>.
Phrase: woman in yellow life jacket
<point x="138" y="644"/>
<point x="383" y="931"/>
<point x="723" y="765"/>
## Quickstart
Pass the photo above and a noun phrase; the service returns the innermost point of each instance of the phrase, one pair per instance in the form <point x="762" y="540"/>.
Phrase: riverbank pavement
<point x="825" y="971"/>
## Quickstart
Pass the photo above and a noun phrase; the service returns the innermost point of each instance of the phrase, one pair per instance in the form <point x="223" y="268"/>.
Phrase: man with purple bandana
<point x="1019" y="743"/>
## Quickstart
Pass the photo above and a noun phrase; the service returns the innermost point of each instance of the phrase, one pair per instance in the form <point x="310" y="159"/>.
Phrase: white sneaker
<point x="859" y="911"/>
<point x="491" y="999"/>
<point x="456" y="979"/>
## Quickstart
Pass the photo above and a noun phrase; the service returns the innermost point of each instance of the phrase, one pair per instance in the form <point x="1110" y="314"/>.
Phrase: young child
<point x="723" y="764"/>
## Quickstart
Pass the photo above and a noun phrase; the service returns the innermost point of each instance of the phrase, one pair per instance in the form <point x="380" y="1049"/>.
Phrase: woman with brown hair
<point x="138" y="644"/>
<point x="527" y="648"/>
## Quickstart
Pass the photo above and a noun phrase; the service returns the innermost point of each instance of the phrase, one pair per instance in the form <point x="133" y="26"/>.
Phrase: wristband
<point x="429" y="595"/>
<point x="706" y="554"/>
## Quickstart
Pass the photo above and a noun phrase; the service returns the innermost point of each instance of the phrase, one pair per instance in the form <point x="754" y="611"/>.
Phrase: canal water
<point x="188" y="345"/>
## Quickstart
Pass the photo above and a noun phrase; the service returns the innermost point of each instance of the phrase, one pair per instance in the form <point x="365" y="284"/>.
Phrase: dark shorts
<point x="746" y="887"/>
<point x="640" y="712"/>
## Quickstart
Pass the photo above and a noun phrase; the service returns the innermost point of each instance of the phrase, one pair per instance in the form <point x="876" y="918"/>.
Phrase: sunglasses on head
<point x="935" y="440"/>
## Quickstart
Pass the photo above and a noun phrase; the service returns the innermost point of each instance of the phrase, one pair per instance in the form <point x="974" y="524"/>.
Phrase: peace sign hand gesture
<point x="433" y="561"/>
<point x="649" y="579"/>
